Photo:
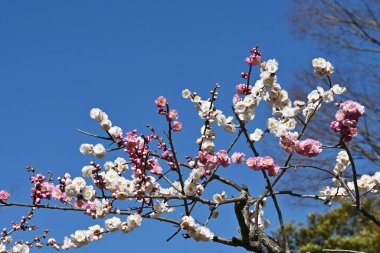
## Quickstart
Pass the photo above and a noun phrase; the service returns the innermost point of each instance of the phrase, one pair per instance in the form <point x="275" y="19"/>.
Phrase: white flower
<point x="219" y="197"/>
<point x="257" y="135"/>
<point x="240" y="107"/>
<point x="322" y="67"/>
<point x="109" y="165"/>
<point x="271" y="123"/>
<point x="95" y="113"/>
<point x="315" y="94"/>
<point x="186" y="93"/>
<point x="68" y="244"/>
<point x="196" y="99"/>
<point x="87" y="171"/>
<point x="190" y="188"/>
<point x="288" y="112"/>
<point x="271" y="65"/>
<point x="249" y="101"/>
<point x="161" y="207"/>
<point x="96" y="232"/>
<point x="208" y="145"/>
<point x="20" y="248"/>
<point x="134" y="220"/>
<point x="99" y="150"/>
<point x="111" y="176"/>
<point x="187" y="222"/>
<point x="88" y="192"/>
<point x="338" y="89"/>
<point x="79" y="238"/>
<point x="343" y="157"/>
<point x="79" y="183"/>
<point x="86" y="149"/>
<point x="106" y="124"/>
<point x="121" y="164"/>
<point x="115" y="131"/>
<point x="113" y="224"/>
<point x="195" y="174"/>
<point x="328" y="96"/>
<point x="319" y="63"/>
<point x="71" y="190"/>
<point x="2" y="247"/>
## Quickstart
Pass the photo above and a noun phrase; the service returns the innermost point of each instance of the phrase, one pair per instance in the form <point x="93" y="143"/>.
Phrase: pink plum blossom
<point x="160" y="102"/>
<point x="177" y="126"/>
<point x="222" y="158"/>
<point x="347" y="118"/>
<point x="172" y="115"/>
<point x="241" y="89"/>
<point x="238" y="157"/>
<point x="4" y="195"/>
<point x="288" y="142"/>
<point x="308" y="147"/>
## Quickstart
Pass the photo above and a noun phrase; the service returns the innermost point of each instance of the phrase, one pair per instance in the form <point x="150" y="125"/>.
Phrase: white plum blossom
<point x="87" y="171"/>
<point x="115" y="131"/>
<point x="257" y="135"/>
<point x="88" y="192"/>
<point x="186" y="93"/>
<point x="196" y="231"/>
<point x="112" y="224"/>
<point x="99" y="150"/>
<point x="322" y="67"/>
<point x="271" y="65"/>
<point x="20" y="248"/>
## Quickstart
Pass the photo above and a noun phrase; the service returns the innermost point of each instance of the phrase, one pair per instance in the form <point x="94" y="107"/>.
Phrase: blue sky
<point x="58" y="59"/>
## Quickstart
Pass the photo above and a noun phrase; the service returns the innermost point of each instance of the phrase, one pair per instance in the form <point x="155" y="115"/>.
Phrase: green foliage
<point x="340" y="228"/>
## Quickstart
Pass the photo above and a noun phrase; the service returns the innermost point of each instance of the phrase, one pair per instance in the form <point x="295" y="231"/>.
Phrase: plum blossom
<point x="308" y="147"/>
<point x="4" y="195"/>
<point x="347" y="118"/>
<point x="160" y="102"/>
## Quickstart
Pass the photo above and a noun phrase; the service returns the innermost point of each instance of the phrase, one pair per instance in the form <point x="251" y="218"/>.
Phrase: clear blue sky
<point x="58" y="59"/>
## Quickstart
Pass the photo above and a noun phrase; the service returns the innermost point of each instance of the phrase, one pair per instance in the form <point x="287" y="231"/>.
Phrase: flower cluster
<point x="115" y="224"/>
<point x="308" y="147"/>
<point x="89" y="149"/>
<point x="196" y="231"/>
<point x="83" y="237"/>
<point x="171" y="115"/>
<point x="322" y="67"/>
<point x="102" y="117"/>
<point x="263" y="163"/>
<point x="19" y="248"/>
<point x="262" y="222"/>
<point x="41" y="189"/>
<point x="192" y="186"/>
<point x="254" y="58"/>
<point x="342" y="162"/>
<point x="347" y="118"/>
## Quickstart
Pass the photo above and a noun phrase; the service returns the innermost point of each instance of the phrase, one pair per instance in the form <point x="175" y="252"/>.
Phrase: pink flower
<point x="273" y="171"/>
<point x="172" y="115"/>
<point x="253" y="59"/>
<point x="4" y="195"/>
<point x="241" y="89"/>
<point x="347" y="118"/>
<point x="211" y="162"/>
<point x="288" y="142"/>
<point x="352" y="109"/>
<point x="223" y="159"/>
<point x="160" y="101"/>
<point x="263" y="163"/>
<point x="309" y="147"/>
<point x="237" y="157"/>
<point x="253" y="163"/>
<point x="177" y="126"/>
<point x="266" y="162"/>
